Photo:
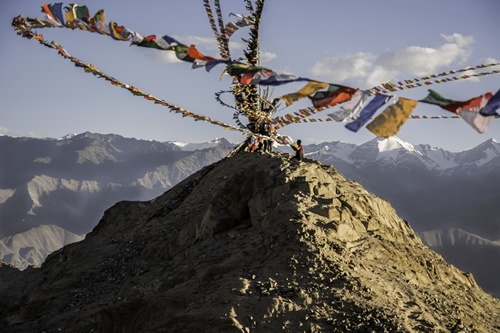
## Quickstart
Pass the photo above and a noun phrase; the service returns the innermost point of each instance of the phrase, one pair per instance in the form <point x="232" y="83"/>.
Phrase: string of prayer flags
<point x="392" y="118"/>
<point x="364" y="115"/>
<point x="283" y="122"/>
<point x="89" y="68"/>
<point x="222" y="40"/>
<point x="149" y="41"/>
<point x="425" y="80"/>
<point x="298" y="116"/>
<point x="477" y="112"/>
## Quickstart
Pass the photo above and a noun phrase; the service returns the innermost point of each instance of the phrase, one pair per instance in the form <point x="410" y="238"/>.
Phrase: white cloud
<point x="267" y="56"/>
<point x="408" y="62"/>
<point x="343" y="67"/>
<point x="489" y="61"/>
<point x="4" y="131"/>
<point x="204" y="44"/>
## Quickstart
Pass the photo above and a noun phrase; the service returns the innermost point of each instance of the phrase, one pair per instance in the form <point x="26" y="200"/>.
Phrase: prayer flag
<point x="390" y="121"/>
<point x="476" y="120"/>
<point x="310" y="88"/>
<point x="195" y="54"/>
<point x="492" y="106"/>
<point x="334" y="94"/>
<point x="98" y="22"/>
<point x="171" y="41"/>
<point x="181" y="52"/>
<point x="455" y="106"/>
<point x="270" y="78"/>
<point x="350" y="108"/>
<point x="54" y="13"/>
<point x="77" y="17"/>
<point x="116" y="30"/>
<point x="237" y="69"/>
<point x="247" y="78"/>
<point x="212" y="63"/>
<point x="198" y="63"/>
<point x="82" y="13"/>
<point x="148" y="41"/>
<point x="57" y="11"/>
<point x="368" y="112"/>
<point x="435" y="98"/>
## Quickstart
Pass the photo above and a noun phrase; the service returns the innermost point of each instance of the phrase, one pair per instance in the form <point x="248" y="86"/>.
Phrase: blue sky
<point x="354" y="43"/>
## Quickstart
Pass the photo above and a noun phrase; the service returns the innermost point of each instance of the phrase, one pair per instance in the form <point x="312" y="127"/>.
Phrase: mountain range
<point x="251" y="243"/>
<point x="68" y="183"/>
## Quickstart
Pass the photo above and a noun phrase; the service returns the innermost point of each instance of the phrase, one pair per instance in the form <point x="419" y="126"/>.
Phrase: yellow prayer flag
<point x="390" y="121"/>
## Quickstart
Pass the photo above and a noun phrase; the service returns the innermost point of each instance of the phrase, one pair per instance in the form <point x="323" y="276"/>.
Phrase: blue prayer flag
<point x="368" y="111"/>
<point x="493" y="105"/>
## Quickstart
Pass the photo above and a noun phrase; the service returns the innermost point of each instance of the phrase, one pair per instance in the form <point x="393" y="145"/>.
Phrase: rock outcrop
<point x="253" y="243"/>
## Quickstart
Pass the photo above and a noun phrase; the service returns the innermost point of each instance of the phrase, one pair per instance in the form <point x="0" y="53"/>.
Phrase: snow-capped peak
<point x="67" y="136"/>
<point x="392" y="143"/>
<point x="186" y="146"/>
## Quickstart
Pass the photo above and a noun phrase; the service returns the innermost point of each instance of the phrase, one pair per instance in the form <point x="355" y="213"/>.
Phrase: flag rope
<point x="89" y="68"/>
<point x="415" y="83"/>
<point x="24" y="27"/>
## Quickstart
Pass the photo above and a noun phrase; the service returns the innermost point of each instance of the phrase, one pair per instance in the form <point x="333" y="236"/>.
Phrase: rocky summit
<point x="253" y="243"/>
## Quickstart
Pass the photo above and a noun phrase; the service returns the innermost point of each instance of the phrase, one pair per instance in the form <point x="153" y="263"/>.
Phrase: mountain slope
<point x="470" y="253"/>
<point x="251" y="243"/>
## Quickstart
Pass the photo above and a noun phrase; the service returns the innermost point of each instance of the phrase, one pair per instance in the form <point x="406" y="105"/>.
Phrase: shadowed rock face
<point x="252" y="243"/>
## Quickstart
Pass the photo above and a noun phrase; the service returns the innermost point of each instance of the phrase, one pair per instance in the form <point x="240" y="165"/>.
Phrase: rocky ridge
<point x="253" y="243"/>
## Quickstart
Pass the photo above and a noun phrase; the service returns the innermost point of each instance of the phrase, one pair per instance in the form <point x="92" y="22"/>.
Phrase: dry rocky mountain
<point x="69" y="182"/>
<point x="252" y="243"/>
<point x="30" y="248"/>
<point x="437" y="191"/>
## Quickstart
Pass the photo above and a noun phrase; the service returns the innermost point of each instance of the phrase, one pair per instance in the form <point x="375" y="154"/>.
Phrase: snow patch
<point x="67" y="136"/>
<point x="490" y="153"/>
